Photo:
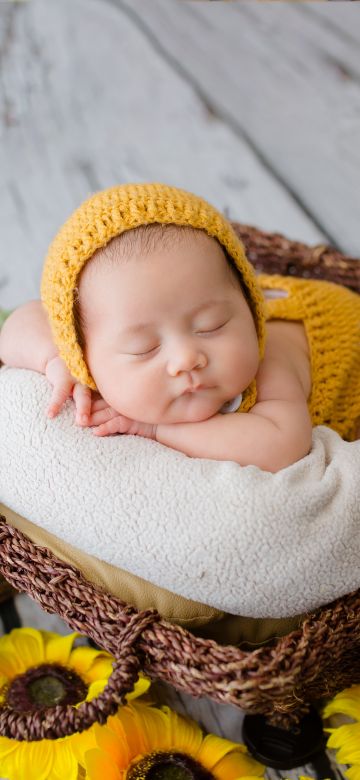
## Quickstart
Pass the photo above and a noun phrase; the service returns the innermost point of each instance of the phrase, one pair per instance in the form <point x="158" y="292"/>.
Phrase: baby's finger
<point x="59" y="396"/>
<point x="98" y="404"/>
<point x="111" y="427"/>
<point x="82" y="398"/>
<point x="102" y="416"/>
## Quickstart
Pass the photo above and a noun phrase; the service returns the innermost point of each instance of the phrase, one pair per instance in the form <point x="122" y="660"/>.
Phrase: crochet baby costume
<point x="329" y="312"/>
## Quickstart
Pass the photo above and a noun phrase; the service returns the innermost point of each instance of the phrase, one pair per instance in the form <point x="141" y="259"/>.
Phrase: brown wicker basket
<point x="280" y="679"/>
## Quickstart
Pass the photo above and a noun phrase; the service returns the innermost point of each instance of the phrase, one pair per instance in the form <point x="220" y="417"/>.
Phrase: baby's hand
<point x="65" y="386"/>
<point x="107" y="421"/>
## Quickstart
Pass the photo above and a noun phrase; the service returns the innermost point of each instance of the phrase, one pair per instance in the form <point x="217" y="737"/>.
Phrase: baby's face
<point x="164" y="323"/>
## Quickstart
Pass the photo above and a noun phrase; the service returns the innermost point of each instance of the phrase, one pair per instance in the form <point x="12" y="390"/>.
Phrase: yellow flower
<point x="41" y="669"/>
<point x="140" y="739"/>
<point x="347" y="702"/>
<point x="345" y="739"/>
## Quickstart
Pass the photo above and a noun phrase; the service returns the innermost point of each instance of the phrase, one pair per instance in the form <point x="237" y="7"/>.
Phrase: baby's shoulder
<point x="285" y="370"/>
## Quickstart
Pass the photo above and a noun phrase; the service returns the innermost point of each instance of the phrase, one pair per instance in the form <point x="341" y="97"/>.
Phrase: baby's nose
<point x="185" y="359"/>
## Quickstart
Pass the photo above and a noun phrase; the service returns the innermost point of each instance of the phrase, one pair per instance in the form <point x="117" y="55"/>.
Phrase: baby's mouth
<point x="195" y="389"/>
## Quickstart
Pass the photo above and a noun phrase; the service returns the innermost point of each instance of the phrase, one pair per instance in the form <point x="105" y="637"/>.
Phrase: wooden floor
<point x="255" y="106"/>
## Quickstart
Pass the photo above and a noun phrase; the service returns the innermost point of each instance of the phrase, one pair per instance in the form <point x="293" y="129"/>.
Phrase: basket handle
<point x="64" y="720"/>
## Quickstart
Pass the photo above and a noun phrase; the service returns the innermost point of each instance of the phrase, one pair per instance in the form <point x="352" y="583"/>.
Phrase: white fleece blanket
<point x="243" y="540"/>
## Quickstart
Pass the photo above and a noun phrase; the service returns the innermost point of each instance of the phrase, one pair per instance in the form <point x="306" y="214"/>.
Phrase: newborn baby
<point x="167" y="322"/>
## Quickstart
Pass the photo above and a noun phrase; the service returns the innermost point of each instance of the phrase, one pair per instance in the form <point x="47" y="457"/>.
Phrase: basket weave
<point x="280" y="679"/>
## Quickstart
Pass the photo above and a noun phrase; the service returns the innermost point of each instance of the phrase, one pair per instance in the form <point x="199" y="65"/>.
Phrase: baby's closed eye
<point x="198" y="333"/>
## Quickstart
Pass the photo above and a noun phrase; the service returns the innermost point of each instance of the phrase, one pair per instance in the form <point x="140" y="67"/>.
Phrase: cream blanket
<point x="240" y="539"/>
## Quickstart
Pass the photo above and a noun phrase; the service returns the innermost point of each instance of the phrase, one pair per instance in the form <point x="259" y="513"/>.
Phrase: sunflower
<point x="141" y="742"/>
<point x="345" y="739"/>
<point x="40" y="669"/>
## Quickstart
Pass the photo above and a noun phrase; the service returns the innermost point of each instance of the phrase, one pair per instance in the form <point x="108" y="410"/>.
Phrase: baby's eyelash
<point x="212" y="329"/>
<point x="142" y="354"/>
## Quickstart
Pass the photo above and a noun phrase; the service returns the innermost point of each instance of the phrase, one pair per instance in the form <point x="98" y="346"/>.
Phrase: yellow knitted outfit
<point x="331" y="317"/>
<point x="330" y="312"/>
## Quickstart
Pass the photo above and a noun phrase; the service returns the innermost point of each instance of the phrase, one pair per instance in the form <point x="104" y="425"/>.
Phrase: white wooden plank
<point x="340" y="18"/>
<point x="316" y="34"/>
<point x="31" y="614"/>
<point x="86" y="102"/>
<point x="261" y="67"/>
<point x="87" y="99"/>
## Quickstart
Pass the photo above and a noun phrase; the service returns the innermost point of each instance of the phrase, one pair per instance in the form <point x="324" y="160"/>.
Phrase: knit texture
<point x="331" y="317"/>
<point x="108" y="214"/>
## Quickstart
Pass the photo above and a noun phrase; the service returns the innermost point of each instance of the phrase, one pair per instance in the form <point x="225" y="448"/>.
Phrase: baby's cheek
<point x="136" y="397"/>
<point x="239" y="364"/>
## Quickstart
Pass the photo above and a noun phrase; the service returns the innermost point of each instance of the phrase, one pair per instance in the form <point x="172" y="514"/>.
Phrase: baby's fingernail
<point x="84" y="418"/>
<point x="50" y="413"/>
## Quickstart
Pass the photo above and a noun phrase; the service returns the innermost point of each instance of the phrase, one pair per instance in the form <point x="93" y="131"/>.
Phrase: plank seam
<point x="222" y="115"/>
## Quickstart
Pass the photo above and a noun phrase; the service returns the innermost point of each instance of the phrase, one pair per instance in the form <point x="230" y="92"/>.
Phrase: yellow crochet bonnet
<point x="104" y="216"/>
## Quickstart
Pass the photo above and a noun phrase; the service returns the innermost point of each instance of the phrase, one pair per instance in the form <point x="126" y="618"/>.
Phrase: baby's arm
<point x="25" y="338"/>
<point x="275" y="433"/>
<point x="26" y="342"/>
<point x="271" y="437"/>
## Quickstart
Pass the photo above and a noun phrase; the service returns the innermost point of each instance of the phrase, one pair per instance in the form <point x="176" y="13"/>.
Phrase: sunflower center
<point x="45" y="686"/>
<point x="164" y="765"/>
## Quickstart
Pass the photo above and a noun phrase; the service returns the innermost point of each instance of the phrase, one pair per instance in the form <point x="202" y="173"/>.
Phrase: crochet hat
<point x="104" y="216"/>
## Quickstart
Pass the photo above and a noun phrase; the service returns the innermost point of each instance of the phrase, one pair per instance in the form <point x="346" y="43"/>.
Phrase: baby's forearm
<point x="25" y="338"/>
<point x="247" y="439"/>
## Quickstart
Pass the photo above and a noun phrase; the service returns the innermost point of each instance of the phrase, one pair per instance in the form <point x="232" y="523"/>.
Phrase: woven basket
<point x="279" y="680"/>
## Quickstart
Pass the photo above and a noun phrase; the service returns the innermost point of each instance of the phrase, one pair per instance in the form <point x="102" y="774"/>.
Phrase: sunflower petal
<point x="153" y="725"/>
<point x="58" y="648"/>
<point x="353" y="773"/>
<point x="95" y="688"/>
<point x="28" y="646"/>
<point x="100" y="668"/>
<point x="81" y="742"/>
<point x="213" y="749"/>
<point x="346" y="739"/>
<point x="347" y="702"/>
<point x="183" y="733"/>
<point x="82" y="658"/>
<point x="11" y="664"/>
<point x="126" y="725"/>
<point x="237" y="764"/>
<point x="65" y="762"/>
<point x="33" y="760"/>
<point x="141" y="686"/>
<point x="99" y="765"/>
<point x="112" y="745"/>
<point x="7" y="746"/>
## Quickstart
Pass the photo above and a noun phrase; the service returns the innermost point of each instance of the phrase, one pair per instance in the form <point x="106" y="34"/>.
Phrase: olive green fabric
<point x="4" y="313"/>
<point x="201" y="619"/>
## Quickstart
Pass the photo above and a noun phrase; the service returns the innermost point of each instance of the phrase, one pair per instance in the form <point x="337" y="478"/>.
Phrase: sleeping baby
<point x="154" y="321"/>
